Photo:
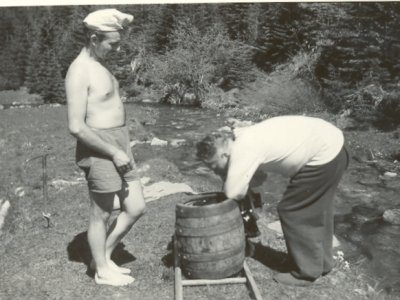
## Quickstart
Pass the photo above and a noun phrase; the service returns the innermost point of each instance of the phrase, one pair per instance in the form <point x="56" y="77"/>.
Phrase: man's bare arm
<point x="76" y="86"/>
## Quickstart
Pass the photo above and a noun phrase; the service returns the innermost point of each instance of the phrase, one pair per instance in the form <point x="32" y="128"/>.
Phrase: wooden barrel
<point x="210" y="237"/>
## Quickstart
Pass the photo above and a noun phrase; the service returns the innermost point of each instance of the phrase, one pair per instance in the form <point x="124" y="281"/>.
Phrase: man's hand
<point x="122" y="162"/>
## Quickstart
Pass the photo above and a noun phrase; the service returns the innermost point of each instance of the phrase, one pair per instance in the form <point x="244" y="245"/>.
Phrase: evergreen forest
<point x="351" y="50"/>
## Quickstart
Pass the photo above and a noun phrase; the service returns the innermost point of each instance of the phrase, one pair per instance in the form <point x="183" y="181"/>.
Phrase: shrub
<point x="388" y="111"/>
<point x="198" y="60"/>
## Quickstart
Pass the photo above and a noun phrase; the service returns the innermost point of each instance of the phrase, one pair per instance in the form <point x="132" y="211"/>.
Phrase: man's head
<point x="214" y="150"/>
<point x="103" y="30"/>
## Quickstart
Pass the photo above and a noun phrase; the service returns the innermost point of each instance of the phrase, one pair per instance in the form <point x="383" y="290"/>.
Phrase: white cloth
<point x="107" y="20"/>
<point x="164" y="188"/>
<point x="280" y="145"/>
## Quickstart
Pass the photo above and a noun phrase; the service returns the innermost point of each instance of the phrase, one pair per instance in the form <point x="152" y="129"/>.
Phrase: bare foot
<point x="113" y="278"/>
<point x="117" y="268"/>
<point x="113" y="266"/>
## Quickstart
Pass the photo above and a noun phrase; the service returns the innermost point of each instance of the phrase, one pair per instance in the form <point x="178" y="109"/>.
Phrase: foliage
<point x="197" y="48"/>
<point x="353" y="49"/>
<point x="388" y="110"/>
<point x="198" y="60"/>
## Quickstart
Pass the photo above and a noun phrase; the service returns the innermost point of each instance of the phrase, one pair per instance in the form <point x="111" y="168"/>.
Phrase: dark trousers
<point x="306" y="215"/>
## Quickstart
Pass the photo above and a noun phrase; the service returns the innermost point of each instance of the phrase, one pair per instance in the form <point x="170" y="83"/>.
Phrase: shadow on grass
<point x="168" y="259"/>
<point x="271" y="258"/>
<point x="79" y="251"/>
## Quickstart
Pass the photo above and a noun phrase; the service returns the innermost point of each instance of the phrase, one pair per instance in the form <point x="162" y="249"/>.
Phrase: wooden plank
<point x="178" y="273"/>
<point x="192" y="282"/>
<point x="252" y="282"/>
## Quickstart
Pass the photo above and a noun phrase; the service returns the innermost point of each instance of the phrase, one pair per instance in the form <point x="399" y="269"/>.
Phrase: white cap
<point x="107" y="20"/>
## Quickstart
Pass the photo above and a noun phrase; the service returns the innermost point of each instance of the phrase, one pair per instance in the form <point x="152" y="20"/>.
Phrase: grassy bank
<point x="50" y="263"/>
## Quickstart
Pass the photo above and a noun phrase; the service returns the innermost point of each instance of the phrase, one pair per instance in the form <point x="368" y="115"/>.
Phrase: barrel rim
<point x="185" y="211"/>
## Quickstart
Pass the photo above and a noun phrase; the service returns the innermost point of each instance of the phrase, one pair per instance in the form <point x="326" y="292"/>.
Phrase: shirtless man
<point x="311" y="153"/>
<point x="96" y="117"/>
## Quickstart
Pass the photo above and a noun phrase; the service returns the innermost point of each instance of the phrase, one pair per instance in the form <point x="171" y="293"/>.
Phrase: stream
<point x="366" y="240"/>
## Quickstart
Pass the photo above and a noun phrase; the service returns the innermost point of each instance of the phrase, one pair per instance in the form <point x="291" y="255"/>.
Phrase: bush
<point x="370" y="105"/>
<point x="388" y="111"/>
<point x="197" y="61"/>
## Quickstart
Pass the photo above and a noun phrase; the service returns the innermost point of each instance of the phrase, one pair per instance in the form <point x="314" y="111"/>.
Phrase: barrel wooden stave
<point x="210" y="239"/>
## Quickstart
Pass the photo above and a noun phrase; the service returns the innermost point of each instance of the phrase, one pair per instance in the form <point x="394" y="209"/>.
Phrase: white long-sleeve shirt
<point x="281" y="145"/>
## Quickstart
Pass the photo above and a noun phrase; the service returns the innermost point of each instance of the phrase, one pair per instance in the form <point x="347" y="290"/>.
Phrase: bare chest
<point x="103" y="86"/>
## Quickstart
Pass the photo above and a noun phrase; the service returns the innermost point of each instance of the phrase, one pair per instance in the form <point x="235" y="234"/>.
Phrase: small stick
<point x="213" y="281"/>
<point x="252" y="282"/>
<point x="178" y="273"/>
<point x="46" y="215"/>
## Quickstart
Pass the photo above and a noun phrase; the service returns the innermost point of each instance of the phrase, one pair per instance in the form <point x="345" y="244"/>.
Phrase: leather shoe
<point x="289" y="279"/>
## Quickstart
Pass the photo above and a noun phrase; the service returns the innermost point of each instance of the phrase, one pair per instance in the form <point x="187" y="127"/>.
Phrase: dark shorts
<point x="100" y="171"/>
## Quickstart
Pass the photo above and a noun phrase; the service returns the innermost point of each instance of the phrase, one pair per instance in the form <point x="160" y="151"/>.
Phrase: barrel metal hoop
<point x="209" y="231"/>
<point x="212" y="257"/>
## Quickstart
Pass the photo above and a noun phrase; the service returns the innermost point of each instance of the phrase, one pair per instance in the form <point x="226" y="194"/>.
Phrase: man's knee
<point x="136" y="210"/>
<point x="134" y="204"/>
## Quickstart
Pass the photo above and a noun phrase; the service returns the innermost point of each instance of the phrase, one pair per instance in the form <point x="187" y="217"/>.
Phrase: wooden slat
<point x="214" y="281"/>
<point x="252" y="282"/>
<point x="178" y="273"/>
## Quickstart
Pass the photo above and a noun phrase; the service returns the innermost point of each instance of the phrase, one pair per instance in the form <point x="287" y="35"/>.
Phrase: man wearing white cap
<point x="96" y="117"/>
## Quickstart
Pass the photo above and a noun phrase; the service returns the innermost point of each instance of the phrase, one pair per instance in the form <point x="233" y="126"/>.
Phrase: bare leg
<point x="132" y="208"/>
<point x="100" y="209"/>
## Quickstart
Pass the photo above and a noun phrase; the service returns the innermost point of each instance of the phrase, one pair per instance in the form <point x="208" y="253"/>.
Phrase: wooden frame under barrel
<point x="209" y="244"/>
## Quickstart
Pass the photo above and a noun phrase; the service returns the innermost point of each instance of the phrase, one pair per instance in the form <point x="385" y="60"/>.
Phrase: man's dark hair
<point x="207" y="148"/>
<point x="89" y="32"/>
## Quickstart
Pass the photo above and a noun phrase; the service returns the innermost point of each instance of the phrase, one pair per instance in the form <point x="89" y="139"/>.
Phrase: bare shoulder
<point x="77" y="80"/>
<point x="78" y="70"/>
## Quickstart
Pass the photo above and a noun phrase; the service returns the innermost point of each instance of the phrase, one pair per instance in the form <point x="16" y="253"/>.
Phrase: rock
<point x="345" y="122"/>
<point x="19" y="191"/>
<point x="225" y="128"/>
<point x="145" y="180"/>
<point x="390" y="174"/>
<point x="4" y="206"/>
<point x="1" y="107"/>
<point x="392" y="216"/>
<point x="202" y="171"/>
<point x="235" y="123"/>
<point x="157" y="142"/>
<point x="135" y="142"/>
<point x="276" y="226"/>
<point x="144" y="168"/>
<point x="189" y="99"/>
<point x="177" y="142"/>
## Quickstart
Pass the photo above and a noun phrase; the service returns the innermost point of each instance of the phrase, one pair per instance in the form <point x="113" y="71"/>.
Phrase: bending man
<point x="309" y="151"/>
<point x="96" y="117"/>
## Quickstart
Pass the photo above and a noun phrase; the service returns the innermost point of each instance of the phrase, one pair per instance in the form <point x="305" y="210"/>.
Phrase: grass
<point x="50" y="263"/>
<point x="20" y="96"/>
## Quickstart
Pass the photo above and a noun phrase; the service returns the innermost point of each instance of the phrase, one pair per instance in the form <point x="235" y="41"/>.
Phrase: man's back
<point x="280" y="145"/>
